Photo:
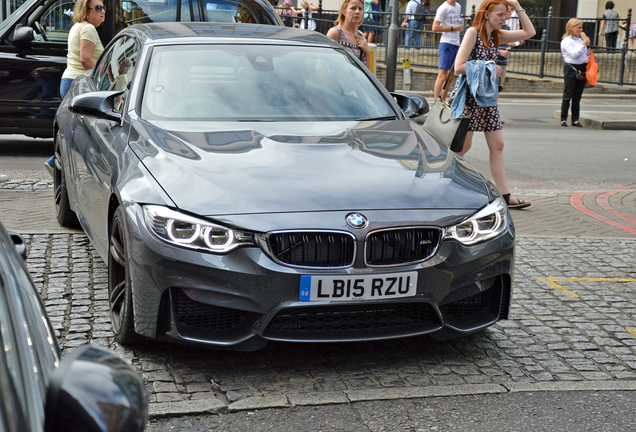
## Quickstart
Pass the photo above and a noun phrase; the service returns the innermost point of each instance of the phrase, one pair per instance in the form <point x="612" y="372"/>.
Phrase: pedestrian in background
<point x="414" y="21"/>
<point x="306" y="11"/>
<point x="481" y="42"/>
<point x="367" y="30"/>
<point x="574" y="47"/>
<point x="84" y="48"/>
<point x="375" y="7"/>
<point x="346" y="31"/>
<point x="630" y="34"/>
<point x="285" y="12"/>
<point x="609" y="25"/>
<point x="513" y="21"/>
<point x="504" y="52"/>
<point x="448" y="21"/>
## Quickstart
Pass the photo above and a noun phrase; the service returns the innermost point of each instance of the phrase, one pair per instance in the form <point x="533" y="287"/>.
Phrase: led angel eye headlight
<point x="182" y="232"/>
<point x="487" y="223"/>
<point x="187" y="231"/>
<point x="218" y="238"/>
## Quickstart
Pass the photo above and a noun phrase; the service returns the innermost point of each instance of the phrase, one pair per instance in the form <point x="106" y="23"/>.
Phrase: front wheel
<point x="119" y="286"/>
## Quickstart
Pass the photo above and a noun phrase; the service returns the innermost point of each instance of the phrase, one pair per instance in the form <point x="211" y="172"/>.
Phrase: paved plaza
<point x="572" y="326"/>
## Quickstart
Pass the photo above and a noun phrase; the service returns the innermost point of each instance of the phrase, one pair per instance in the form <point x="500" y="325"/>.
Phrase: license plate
<point x="350" y="288"/>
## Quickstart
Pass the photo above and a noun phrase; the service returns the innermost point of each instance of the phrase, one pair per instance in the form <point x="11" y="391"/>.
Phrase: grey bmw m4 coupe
<point x="250" y="183"/>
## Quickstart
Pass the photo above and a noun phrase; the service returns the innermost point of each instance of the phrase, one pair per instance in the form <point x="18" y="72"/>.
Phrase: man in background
<point x="448" y="21"/>
<point x="414" y="23"/>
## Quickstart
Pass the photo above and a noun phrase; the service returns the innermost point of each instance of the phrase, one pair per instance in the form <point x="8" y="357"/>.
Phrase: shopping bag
<point x="447" y="130"/>
<point x="591" y="73"/>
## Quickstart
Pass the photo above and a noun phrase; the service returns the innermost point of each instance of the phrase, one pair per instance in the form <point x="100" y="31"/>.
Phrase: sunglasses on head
<point x="98" y="8"/>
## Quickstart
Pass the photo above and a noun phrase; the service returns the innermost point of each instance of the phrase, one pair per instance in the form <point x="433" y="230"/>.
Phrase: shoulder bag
<point x="447" y="130"/>
<point x="579" y="74"/>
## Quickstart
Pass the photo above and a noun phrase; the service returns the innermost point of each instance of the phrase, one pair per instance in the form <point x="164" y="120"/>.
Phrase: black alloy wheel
<point x="119" y="287"/>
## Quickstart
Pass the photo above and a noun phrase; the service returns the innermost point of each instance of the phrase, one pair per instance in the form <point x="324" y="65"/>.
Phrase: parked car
<point x="259" y="184"/>
<point x="33" y="47"/>
<point x="90" y="389"/>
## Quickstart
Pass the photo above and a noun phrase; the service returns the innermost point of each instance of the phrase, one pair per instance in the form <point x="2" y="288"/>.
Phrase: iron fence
<point x="539" y="56"/>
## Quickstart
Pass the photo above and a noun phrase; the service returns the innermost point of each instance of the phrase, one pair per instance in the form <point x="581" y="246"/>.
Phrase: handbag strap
<point x="449" y="75"/>
<point x="573" y="67"/>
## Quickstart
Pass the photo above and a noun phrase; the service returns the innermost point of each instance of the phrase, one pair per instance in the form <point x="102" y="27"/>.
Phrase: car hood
<point x="245" y="168"/>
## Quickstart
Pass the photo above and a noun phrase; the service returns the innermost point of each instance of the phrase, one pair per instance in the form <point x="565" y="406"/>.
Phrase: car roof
<point x="202" y="32"/>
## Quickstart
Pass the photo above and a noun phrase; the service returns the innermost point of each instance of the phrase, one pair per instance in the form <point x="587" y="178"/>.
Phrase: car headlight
<point x="187" y="231"/>
<point x="487" y="223"/>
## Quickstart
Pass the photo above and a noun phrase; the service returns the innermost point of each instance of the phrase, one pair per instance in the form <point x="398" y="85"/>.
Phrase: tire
<point x="119" y="286"/>
<point x="65" y="216"/>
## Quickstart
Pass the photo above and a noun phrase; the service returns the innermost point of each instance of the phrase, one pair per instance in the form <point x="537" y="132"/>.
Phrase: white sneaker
<point x="3" y="178"/>
<point x="49" y="167"/>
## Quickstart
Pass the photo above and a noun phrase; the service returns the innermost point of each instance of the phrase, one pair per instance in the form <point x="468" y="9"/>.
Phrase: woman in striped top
<point x="346" y="30"/>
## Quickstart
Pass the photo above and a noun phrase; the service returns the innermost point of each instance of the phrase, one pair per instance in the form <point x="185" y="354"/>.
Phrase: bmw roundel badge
<point x="356" y="220"/>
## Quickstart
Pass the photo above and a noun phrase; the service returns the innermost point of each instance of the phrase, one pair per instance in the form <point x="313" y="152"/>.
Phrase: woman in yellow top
<point x="84" y="47"/>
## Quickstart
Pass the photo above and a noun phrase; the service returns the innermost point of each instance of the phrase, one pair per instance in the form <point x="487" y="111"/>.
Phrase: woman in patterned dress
<point x="346" y="30"/>
<point x="480" y="43"/>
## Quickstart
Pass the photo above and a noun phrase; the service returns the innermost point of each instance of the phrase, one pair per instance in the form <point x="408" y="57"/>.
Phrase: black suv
<point x="33" y="43"/>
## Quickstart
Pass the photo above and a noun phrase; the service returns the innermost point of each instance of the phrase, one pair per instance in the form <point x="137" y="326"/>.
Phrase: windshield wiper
<point x="377" y="118"/>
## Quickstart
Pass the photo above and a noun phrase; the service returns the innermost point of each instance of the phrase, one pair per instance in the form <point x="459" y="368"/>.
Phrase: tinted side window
<point x="129" y="12"/>
<point x="53" y="21"/>
<point x="227" y="11"/>
<point x="116" y="68"/>
<point x="100" y="77"/>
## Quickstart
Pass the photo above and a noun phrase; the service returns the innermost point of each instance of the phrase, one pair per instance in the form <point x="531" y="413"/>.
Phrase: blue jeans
<point x="412" y="35"/>
<point x="65" y="85"/>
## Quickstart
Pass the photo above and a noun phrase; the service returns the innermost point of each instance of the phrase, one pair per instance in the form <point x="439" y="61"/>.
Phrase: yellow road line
<point x="552" y="283"/>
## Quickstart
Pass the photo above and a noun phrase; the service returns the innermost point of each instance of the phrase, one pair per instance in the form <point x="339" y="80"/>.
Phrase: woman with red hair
<point x="481" y="42"/>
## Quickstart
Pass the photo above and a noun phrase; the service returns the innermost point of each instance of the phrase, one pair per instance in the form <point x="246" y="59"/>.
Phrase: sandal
<point x="520" y="203"/>
<point x="564" y="123"/>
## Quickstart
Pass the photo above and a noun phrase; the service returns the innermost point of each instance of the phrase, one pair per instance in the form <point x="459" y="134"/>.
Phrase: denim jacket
<point x="481" y="79"/>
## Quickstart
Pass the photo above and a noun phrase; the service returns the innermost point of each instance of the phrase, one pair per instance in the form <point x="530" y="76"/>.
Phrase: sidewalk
<point x="609" y="120"/>
<point x="572" y="316"/>
<point x="574" y="256"/>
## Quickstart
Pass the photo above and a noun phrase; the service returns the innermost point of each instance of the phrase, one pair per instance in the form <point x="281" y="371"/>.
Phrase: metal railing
<point x="539" y="56"/>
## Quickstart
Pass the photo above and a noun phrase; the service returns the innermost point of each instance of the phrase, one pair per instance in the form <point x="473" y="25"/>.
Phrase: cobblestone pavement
<point x="573" y="320"/>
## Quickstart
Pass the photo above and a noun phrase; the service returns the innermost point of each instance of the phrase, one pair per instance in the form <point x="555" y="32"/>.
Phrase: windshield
<point x="258" y="83"/>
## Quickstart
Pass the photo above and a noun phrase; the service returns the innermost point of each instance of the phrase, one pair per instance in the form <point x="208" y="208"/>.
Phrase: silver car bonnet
<point x="245" y="168"/>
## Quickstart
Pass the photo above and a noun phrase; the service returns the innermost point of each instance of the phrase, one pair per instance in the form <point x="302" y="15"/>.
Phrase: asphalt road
<point x="536" y="412"/>
<point x="539" y="153"/>
<point x="22" y="157"/>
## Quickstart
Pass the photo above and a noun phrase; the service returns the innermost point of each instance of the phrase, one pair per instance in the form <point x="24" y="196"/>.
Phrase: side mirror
<point x="20" y="244"/>
<point x="413" y="105"/>
<point x="95" y="390"/>
<point x="23" y="35"/>
<point x="97" y="104"/>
